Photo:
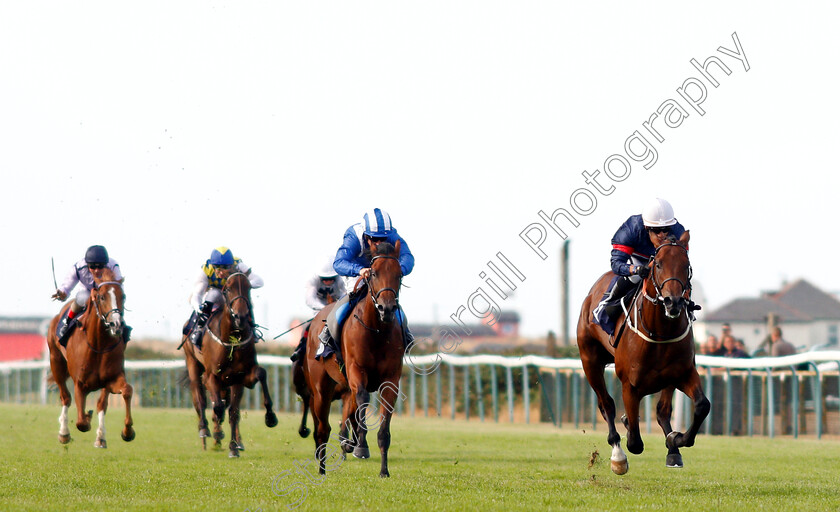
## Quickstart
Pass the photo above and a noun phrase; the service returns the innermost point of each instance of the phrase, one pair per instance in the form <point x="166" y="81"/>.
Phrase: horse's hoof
<point x="384" y="474"/>
<point x="673" y="460"/>
<point x="128" y="436"/>
<point x="361" y="452"/>
<point x="304" y="432"/>
<point x="671" y="440"/>
<point x="203" y="432"/>
<point x="240" y="447"/>
<point x="233" y="454"/>
<point x="63" y="439"/>
<point x="100" y="443"/>
<point x="83" y="427"/>
<point x="347" y="446"/>
<point x="619" y="467"/>
<point x="270" y="419"/>
<point x="218" y="436"/>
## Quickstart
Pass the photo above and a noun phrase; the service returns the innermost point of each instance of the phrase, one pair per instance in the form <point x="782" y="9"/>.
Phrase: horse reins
<point x="241" y="343"/>
<point x="375" y="296"/>
<point x="686" y="287"/>
<point x="104" y="318"/>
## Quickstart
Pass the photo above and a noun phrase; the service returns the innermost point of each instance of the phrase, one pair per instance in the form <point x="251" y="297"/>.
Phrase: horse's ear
<point x="684" y="239"/>
<point x="397" y="247"/>
<point x="122" y="280"/>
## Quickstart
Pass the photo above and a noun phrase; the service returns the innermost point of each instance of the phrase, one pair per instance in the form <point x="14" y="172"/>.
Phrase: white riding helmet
<point x="658" y="213"/>
<point x="328" y="272"/>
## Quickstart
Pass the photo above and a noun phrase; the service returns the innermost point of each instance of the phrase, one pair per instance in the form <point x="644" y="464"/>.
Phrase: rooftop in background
<point x="799" y="301"/>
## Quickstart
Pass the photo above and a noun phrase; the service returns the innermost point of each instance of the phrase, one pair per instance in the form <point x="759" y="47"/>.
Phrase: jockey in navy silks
<point x="632" y="247"/>
<point x="353" y="260"/>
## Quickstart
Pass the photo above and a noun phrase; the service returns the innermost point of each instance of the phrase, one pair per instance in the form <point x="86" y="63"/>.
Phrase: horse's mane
<point x="384" y="249"/>
<point x="107" y="275"/>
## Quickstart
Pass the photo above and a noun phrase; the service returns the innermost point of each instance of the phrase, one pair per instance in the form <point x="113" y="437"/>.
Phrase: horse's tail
<point x="184" y="379"/>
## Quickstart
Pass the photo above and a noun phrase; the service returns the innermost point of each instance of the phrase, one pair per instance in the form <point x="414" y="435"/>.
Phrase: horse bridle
<point x="686" y="287"/>
<point x="104" y="317"/>
<point x="375" y="296"/>
<point x="238" y="297"/>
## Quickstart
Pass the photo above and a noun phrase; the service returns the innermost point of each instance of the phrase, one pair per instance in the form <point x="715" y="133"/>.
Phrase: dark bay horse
<point x="372" y="350"/>
<point x="226" y="363"/>
<point x="94" y="359"/>
<point x="654" y="353"/>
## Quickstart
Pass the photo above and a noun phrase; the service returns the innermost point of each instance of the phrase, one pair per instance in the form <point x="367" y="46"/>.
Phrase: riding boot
<point x="300" y="350"/>
<point x="198" y="331"/>
<point x="609" y="308"/>
<point x="126" y="333"/>
<point x="408" y="338"/>
<point x="326" y="339"/>
<point x="65" y="329"/>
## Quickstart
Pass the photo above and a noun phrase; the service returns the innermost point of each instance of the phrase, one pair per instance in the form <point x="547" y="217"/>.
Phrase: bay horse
<point x="299" y="379"/>
<point x="372" y="350"/>
<point x="226" y="364"/>
<point x="656" y="353"/>
<point x="94" y="358"/>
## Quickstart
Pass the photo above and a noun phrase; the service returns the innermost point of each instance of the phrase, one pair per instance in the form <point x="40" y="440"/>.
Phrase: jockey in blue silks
<point x="632" y="247"/>
<point x="353" y="259"/>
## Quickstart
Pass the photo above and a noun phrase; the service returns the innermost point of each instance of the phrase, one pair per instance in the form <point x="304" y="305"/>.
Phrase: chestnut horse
<point x="372" y="350"/>
<point x="94" y="359"/>
<point x="227" y="362"/>
<point x="299" y="380"/>
<point x="655" y="353"/>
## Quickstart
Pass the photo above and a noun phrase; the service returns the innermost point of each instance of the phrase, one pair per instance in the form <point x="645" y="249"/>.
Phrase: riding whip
<point x="295" y="327"/>
<point x="52" y="261"/>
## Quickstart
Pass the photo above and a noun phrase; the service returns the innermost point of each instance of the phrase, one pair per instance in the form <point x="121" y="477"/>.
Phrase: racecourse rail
<point x="792" y="395"/>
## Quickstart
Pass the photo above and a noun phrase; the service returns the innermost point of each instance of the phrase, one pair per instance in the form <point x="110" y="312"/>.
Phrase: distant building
<point x="502" y="335"/>
<point x="23" y="338"/>
<point x="807" y="315"/>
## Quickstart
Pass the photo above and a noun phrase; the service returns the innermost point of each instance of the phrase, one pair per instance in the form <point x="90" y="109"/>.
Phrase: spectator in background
<point x="731" y="347"/>
<point x="725" y="330"/>
<point x="779" y="346"/>
<point x="710" y="346"/>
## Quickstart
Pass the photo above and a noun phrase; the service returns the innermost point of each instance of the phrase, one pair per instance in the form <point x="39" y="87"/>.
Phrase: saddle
<point x="77" y="320"/>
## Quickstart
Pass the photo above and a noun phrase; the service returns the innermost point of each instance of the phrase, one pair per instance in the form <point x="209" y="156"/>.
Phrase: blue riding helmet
<point x="96" y="254"/>
<point x="377" y="223"/>
<point x="221" y="256"/>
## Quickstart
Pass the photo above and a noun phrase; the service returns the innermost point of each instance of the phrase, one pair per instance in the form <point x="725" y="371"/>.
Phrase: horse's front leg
<point x="101" y="409"/>
<point x="694" y="389"/>
<point x="663" y="417"/>
<point x="199" y="395"/>
<point x="631" y="420"/>
<point x="59" y="370"/>
<point x="233" y="413"/>
<point x="214" y="387"/>
<point x="257" y="374"/>
<point x="83" y="418"/>
<point x="388" y="393"/>
<point x="349" y="424"/>
<point x="358" y="385"/>
<point x="122" y="387"/>
<point x="594" y="370"/>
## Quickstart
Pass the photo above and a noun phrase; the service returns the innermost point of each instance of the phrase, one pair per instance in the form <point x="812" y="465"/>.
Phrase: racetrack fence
<point x="792" y="395"/>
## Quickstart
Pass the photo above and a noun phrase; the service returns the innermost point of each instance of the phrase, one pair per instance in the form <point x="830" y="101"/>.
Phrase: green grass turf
<point x="436" y="464"/>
